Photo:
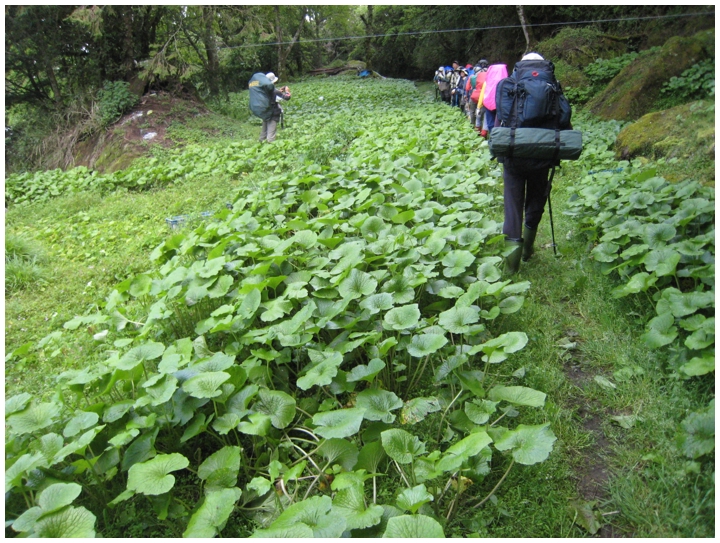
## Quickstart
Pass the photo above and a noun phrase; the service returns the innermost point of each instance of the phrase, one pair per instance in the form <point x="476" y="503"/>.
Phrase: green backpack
<point x="261" y="96"/>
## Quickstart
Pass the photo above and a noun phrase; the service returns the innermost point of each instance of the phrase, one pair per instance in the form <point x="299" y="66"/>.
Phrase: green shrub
<point x="697" y="82"/>
<point x="115" y="99"/>
<point x="603" y="70"/>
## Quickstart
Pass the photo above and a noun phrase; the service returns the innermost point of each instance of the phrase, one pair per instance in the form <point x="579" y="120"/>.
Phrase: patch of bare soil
<point x="133" y="134"/>
<point x="592" y="468"/>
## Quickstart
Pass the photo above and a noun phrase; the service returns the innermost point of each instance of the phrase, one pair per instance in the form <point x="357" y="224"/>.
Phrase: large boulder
<point x="634" y="91"/>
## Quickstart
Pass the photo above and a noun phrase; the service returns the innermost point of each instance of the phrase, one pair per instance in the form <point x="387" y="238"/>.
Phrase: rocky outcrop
<point x="673" y="133"/>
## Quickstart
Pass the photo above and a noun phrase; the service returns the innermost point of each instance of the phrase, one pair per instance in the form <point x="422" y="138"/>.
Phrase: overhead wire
<point x="472" y="29"/>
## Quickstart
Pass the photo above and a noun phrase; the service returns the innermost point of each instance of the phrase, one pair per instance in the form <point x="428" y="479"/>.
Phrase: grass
<point x="93" y="243"/>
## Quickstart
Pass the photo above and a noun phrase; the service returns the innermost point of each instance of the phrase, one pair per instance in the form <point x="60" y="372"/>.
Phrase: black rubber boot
<point x="529" y="239"/>
<point x="511" y="264"/>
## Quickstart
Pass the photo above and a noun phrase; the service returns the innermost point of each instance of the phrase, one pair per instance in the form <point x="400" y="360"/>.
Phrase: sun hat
<point x="272" y="77"/>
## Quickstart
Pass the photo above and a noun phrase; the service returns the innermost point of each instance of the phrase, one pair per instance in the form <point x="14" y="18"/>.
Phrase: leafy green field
<point x="326" y="344"/>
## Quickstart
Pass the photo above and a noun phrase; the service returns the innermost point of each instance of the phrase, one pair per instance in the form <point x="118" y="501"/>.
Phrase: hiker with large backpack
<point x="532" y="133"/>
<point x="263" y="103"/>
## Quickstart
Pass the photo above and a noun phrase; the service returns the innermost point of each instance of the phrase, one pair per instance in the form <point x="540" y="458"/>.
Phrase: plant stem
<point x="442" y="418"/>
<point x="486" y="498"/>
<point x="421" y="370"/>
<point x="402" y="473"/>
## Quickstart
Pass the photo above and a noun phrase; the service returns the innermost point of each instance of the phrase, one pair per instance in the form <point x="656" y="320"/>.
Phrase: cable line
<point x="419" y="32"/>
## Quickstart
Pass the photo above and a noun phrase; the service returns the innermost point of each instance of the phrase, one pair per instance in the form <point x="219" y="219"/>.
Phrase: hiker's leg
<point x="264" y="131"/>
<point x="537" y="192"/>
<point x="272" y="130"/>
<point x="514" y="196"/>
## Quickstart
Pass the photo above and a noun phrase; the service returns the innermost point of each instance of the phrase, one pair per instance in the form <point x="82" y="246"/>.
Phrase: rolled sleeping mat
<point x="541" y="143"/>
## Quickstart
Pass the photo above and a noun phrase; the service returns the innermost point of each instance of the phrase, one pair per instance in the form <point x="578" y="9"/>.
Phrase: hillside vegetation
<point x="314" y="338"/>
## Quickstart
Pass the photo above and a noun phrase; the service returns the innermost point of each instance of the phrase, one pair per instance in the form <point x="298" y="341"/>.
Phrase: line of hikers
<point x="472" y="89"/>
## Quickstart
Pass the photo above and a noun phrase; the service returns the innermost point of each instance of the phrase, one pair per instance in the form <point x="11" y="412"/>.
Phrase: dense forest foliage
<point x="73" y="68"/>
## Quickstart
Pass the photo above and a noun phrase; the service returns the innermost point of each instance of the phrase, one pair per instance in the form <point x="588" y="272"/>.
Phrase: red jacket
<point x="479" y="82"/>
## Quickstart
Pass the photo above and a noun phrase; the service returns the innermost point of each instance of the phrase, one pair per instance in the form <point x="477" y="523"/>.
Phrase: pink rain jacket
<point x="495" y="74"/>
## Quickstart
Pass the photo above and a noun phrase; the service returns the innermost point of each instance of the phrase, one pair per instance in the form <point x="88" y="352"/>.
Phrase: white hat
<point x="271" y="76"/>
<point x="532" y="56"/>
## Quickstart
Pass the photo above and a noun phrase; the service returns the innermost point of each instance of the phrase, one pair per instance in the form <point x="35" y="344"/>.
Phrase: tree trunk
<point x="211" y="50"/>
<point x="50" y="72"/>
<point x="527" y="29"/>
<point x="128" y="44"/>
<point x="284" y="52"/>
<point x="278" y="37"/>
<point x="368" y="21"/>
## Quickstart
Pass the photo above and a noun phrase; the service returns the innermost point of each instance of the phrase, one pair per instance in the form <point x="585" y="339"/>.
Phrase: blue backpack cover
<point x="532" y="98"/>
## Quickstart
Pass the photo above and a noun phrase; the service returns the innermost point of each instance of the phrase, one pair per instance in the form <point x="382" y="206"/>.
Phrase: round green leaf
<point x="227" y="458"/>
<point x="153" y="477"/>
<point x="457" y="320"/>
<point x="205" y="385"/>
<point x="424" y="344"/>
<point x="462" y="450"/>
<point x="17" y="403"/>
<point x="33" y="418"/>
<point x="480" y="411"/>
<point x="58" y="496"/>
<point x="529" y="444"/>
<point x="517" y="395"/>
<point x="315" y="512"/>
<point x="72" y="522"/>
<point x="411" y="499"/>
<point x="350" y="503"/>
<point x="80" y="422"/>
<point x="402" y="318"/>
<point x="340" y="423"/>
<point x="210" y="519"/>
<point x="413" y="527"/>
<point x="139" y="354"/>
<point x="401" y="446"/>
<point x="357" y="284"/>
<point x="366" y="373"/>
<point x="278" y="405"/>
<point x="657" y="235"/>
<point x="339" y="451"/>
<point x="662" y="261"/>
<point x="456" y="262"/>
<point x="140" y="285"/>
<point x="378" y="302"/>
<point x="378" y="404"/>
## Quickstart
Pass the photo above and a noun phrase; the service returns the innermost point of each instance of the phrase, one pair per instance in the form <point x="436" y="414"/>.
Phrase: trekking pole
<point x="552" y="227"/>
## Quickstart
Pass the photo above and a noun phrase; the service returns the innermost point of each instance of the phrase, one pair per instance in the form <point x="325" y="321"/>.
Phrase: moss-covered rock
<point x="684" y="132"/>
<point x="634" y="91"/>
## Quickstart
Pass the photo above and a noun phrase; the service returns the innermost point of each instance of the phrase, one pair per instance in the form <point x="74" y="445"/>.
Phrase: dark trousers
<point x="524" y="190"/>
